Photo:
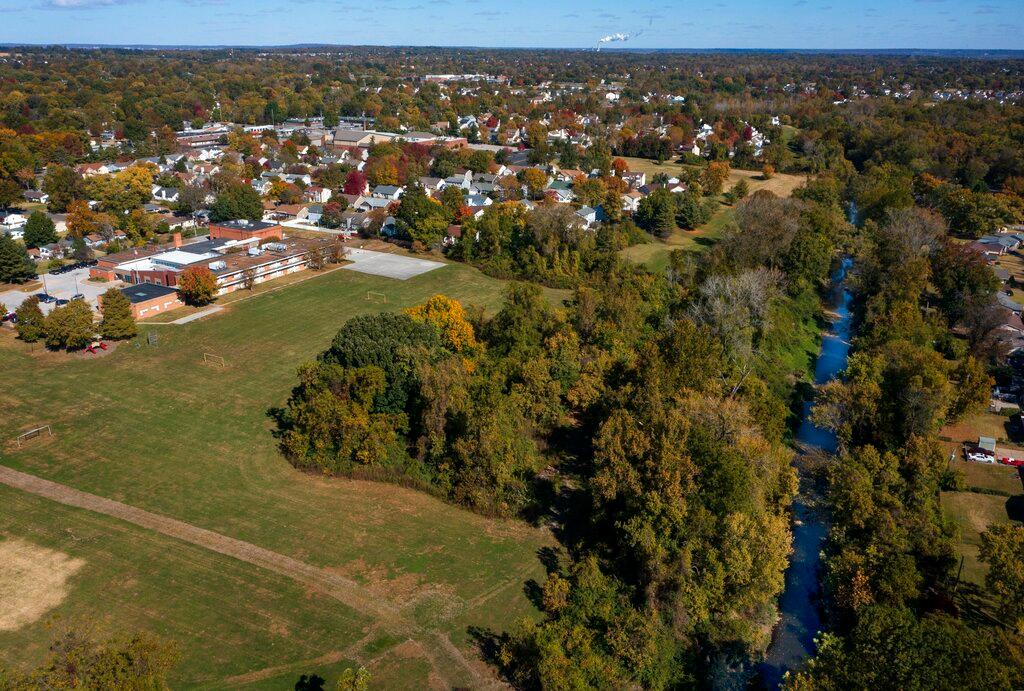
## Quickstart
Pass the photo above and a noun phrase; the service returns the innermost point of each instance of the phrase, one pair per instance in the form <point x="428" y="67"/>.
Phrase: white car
<point x="980" y="458"/>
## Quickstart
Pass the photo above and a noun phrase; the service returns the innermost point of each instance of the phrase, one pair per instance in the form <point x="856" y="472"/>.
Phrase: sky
<point x="817" y="24"/>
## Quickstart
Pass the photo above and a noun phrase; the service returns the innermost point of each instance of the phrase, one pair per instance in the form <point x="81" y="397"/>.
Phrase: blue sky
<point x="979" y="24"/>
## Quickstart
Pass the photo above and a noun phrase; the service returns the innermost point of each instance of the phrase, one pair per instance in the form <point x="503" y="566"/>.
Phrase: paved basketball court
<point x="390" y="265"/>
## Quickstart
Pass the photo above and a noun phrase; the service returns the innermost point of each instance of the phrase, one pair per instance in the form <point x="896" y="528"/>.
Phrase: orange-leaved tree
<point x="197" y="285"/>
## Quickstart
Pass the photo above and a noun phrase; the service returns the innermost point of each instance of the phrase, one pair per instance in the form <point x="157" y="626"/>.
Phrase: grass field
<point x="155" y="428"/>
<point x="973" y="514"/>
<point x="781" y="184"/>
<point x="655" y="254"/>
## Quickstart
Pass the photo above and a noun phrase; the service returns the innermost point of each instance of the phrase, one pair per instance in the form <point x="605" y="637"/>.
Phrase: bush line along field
<point x="156" y="428"/>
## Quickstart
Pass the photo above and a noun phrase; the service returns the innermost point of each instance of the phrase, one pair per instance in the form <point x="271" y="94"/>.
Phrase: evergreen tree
<point x="657" y="213"/>
<point x="29" y="320"/>
<point x="118" y="321"/>
<point x="39" y="230"/>
<point x="15" y="264"/>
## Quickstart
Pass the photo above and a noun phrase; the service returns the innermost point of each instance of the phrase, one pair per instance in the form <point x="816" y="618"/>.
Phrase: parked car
<point x="9" y="317"/>
<point x="980" y="458"/>
<point x="77" y="296"/>
<point x="46" y="297"/>
<point x="60" y="302"/>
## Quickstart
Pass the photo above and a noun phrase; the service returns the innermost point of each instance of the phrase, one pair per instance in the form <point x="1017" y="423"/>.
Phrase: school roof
<point x="143" y="292"/>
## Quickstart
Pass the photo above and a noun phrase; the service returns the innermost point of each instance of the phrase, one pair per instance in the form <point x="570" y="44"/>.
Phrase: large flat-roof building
<point x="233" y="262"/>
<point x="148" y="299"/>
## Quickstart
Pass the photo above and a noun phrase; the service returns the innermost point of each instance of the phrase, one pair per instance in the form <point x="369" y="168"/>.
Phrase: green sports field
<point x="156" y="428"/>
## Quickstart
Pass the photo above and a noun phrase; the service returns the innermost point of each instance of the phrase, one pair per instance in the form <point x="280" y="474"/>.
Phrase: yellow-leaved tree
<point x="449" y="318"/>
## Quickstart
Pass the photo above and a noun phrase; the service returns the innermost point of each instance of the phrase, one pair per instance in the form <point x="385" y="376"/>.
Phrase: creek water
<point x="799" y="620"/>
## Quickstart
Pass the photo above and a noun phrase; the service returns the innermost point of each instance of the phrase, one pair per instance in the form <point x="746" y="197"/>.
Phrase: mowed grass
<point x="781" y="184"/>
<point x="655" y="253"/>
<point x="224" y="614"/>
<point x="974" y="513"/>
<point x="156" y="428"/>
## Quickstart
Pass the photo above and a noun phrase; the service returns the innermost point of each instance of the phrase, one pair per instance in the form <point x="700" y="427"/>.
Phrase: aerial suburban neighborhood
<point x="341" y="351"/>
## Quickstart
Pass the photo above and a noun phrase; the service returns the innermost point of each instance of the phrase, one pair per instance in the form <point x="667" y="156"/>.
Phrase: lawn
<point x="781" y="184"/>
<point x="156" y="428"/>
<point x="655" y="253"/>
<point x="974" y="513"/>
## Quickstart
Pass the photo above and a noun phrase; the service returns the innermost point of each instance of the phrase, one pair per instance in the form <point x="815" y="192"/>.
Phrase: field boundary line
<point x="446" y="659"/>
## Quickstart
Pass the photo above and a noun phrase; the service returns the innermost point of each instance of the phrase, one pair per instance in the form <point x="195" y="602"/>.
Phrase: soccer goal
<point x="34" y="434"/>
<point x="379" y="298"/>
<point x="216" y="360"/>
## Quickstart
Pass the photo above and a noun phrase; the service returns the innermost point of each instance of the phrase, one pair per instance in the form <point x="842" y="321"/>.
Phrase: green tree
<point x="117" y="322"/>
<point x="63" y="185"/>
<point x="421" y="218"/>
<point x="15" y="264"/>
<point x="69" y="326"/>
<point x="657" y="213"/>
<point x="39" y="230"/>
<point x="237" y="201"/>
<point x="353" y="679"/>
<point x="29" y="320"/>
<point x="1002" y="549"/>
<point x="692" y="211"/>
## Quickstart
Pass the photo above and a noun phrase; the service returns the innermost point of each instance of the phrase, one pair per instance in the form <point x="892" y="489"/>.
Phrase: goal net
<point x="43" y="431"/>
<point x="379" y="298"/>
<point x="216" y="360"/>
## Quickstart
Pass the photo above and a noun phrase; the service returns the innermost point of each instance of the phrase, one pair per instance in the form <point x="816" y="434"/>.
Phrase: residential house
<point x="170" y="195"/>
<point x="388" y="192"/>
<point x="318" y="194"/>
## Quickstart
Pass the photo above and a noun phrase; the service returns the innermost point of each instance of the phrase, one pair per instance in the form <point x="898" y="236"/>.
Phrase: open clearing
<point x="655" y="254"/>
<point x="154" y="428"/>
<point x="33" y="580"/>
<point x="781" y="184"/>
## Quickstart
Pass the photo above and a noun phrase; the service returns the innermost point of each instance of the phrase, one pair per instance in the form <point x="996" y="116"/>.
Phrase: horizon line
<point x="590" y="49"/>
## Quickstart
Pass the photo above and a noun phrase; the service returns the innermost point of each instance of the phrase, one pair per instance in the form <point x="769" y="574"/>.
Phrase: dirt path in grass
<point x="447" y="660"/>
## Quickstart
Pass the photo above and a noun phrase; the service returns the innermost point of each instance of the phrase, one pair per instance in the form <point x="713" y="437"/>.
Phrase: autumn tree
<point x="713" y="177"/>
<point x="535" y="180"/>
<point x="197" y="285"/>
<point x="448" y="317"/>
<point x="355" y="183"/>
<point x="69" y="326"/>
<point x="77" y="659"/>
<point x="29" y="320"/>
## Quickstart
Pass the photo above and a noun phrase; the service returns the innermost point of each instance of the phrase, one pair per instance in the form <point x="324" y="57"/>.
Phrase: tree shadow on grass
<point x="1015" y="508"/>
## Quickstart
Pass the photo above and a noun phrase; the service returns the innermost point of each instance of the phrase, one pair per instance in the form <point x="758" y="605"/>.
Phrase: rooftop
<point x="141" y="292"/>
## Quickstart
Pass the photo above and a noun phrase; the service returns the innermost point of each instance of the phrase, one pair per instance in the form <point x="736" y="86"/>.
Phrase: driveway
<point x="390" y="265"/>
<point x="61" y="286"/>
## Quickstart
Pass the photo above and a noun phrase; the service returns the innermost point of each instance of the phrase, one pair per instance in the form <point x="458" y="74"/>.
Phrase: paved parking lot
<point x="61" y="286"/>
<point x="390" y="265"/>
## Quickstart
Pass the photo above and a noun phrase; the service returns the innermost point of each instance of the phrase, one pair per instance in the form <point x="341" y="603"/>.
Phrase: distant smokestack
<point x="177" y="240"/>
